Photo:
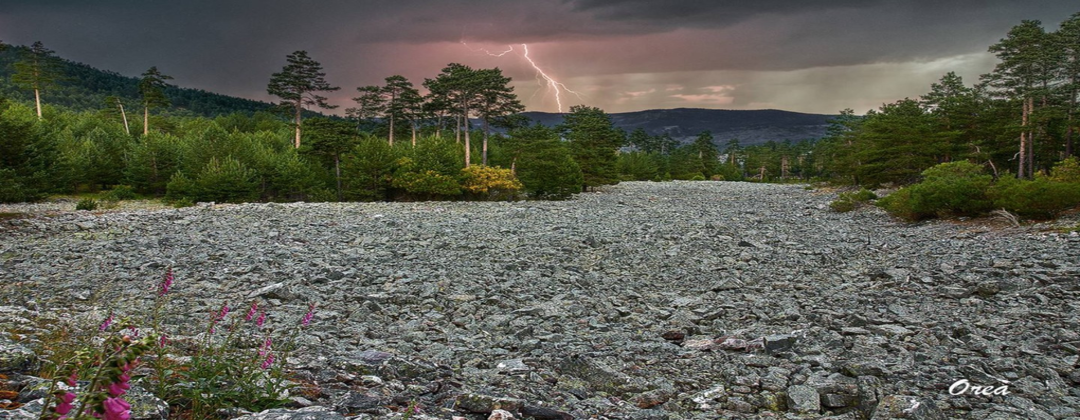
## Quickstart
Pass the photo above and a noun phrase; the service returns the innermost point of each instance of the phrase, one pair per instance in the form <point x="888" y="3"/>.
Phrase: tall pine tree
<point x="594" y="142"/>
<point x="152" y="88"/>
<point x="37" y="71"/>
<point x="298" y="84"/>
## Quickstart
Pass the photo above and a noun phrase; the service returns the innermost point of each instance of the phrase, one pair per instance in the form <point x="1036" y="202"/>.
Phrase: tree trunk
<point x="1069" y="139"/>
<point x="413" y="135"/>
<point x="468" y="152"/>
<point x="1022" y="169"/>
<point x="391" y="131"/>
<point x="123" y="114"/>
<point x="37" y="102"/>
<point x="1031" y="141"/>
<point x="457" y="129"/>
<point x="483" y="153"/>
<point x="146" y="121"/>
<point x="337" y="173"/>
<point x="299" y="108"/>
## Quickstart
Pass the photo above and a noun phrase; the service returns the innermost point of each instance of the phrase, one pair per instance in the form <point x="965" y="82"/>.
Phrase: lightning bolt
<point x="551" y="82"/>
<point x="486" y="51"/>
<point x="542" y="78"/>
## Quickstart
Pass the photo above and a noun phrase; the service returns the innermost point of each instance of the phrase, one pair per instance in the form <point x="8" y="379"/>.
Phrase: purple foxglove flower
<point x="105" y="325"/>
<point x="117" y="409"/>
<point x="166" y="283"/>
<point x="251" y="311"/>
<point x="261" y="319"/>
<point x="269" y="361"/>
<point x="117" y="389"/>
<point x="64" y="406"/>
<point x="310" y="314"/>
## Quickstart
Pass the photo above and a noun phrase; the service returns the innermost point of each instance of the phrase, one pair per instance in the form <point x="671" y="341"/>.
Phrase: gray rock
<point x="803" y="399"/>
<point x="479" y="403"/>
<point x="356" y="402"/>
<point x="779" y="342"/>
<point x="17" y="358"/>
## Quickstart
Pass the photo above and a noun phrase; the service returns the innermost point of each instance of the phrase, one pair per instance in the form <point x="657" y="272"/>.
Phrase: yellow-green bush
<point x="490" y="182"/>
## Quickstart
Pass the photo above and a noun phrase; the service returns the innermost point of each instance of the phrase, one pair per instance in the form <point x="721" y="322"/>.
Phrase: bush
<point x="15" y="189"/>
<point x="490" y="182"/>
<point x="367" y="170"/>
<point x="229" y="181"/>
<point x="548" y="172"/>
<point x="1067" y="171"/>
<point x="948" y="189"/>
<point x="88" y="204"/>
<point x="1040" y="199"/>
<point x="637" y="166"/>
<point x="427" y="184"/>
<point x="183" y="202"/>
<point x="852" y="200"/>
<point x="120" y="193"/>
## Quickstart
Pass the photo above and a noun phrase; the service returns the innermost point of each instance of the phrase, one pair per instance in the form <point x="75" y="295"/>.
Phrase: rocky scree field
<point x="678" y="300"/>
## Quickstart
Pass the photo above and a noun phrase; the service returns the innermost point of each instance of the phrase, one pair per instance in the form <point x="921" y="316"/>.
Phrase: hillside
<point x="750" y="127"/>
<point x="87" y="87"/>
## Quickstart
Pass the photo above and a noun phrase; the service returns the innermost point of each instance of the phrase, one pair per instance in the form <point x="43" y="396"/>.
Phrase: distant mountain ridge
<point x="750" y="127"/>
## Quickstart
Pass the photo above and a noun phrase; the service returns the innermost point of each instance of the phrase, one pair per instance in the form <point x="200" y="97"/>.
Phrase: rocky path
<point x="681" y="300"/>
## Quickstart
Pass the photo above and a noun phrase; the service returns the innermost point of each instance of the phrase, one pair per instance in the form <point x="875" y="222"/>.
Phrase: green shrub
<point x="549" y="172"/>
<point x="1040" y="199"/>
<point x="427" y="184"/>
<point x="228" y="181"/>
<point x="88" y="204"/>
<point x="1067" y="171"/>
<point x="637" y="166"/>
<point x="948" y="189"/>
<point x="120" y="193"/>
<point x="15" y="189"/>
<point x="183" y="202"/>
<point x="852" y="200"/>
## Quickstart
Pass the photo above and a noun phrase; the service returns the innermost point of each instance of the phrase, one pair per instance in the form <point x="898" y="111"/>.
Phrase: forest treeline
<point x="465" y="137"/>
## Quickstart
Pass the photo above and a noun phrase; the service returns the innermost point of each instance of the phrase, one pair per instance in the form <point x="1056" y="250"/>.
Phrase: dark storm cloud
<point x="233" y="46"/>
<point x="693" y="12"/>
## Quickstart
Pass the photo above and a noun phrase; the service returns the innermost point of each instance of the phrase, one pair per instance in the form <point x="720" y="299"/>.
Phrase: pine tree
<point x="1068" y="39"/>
<point x="37" y="71"/>
<point x="298" y="85"/>
<point x="1024" y="74"/>
<point x="152" y="88"/>
<point x="496" y="99"/>
<point x="594" y="142"/>
<point x="459" y="85"/>
<point x="330" y="139"/>
<point x="402" y="101"/>
<point x="370" y="106"/>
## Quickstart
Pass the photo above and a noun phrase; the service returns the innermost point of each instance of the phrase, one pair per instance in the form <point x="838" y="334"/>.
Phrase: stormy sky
<point x="619" y="55"/>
